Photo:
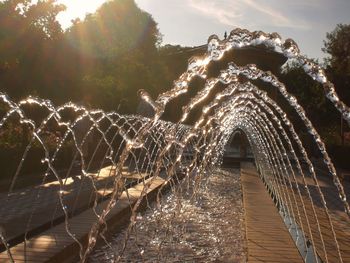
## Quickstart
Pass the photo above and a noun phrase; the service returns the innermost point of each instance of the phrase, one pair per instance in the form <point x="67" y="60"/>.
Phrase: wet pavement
<point x="207" y="228"/>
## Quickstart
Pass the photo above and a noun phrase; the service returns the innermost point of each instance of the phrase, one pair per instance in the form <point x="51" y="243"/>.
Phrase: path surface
<point x="208" y="228"/>
<point x="36" y="208"/>
<point x="213" y="223"/>
<point x="268" y="239"/>
<point x="338" y="217"/>
<point x="55" y="245"/>
<point x="33" y="207"/>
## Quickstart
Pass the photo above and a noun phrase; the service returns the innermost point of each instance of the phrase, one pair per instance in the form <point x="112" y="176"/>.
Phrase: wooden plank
<point x="16" y="225"/>
<point x="56" y="245"/>
<point x="136" y="176"/>
<point x="268" y="240"/>
<point x="340" y="224"/>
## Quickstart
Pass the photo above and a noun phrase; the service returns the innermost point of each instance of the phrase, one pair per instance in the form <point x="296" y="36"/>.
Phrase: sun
<point x="77" y="9"/>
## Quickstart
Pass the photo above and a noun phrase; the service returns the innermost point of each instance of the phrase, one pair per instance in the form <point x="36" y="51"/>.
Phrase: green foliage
<point x="29" y="39"/>
<point x="119" y="44"/>
<point x="337" y="45"/>
<point x="101" y="61"/>
<point x="104" y="59"/>
<point x="117" y="28"/>
<point x="311" y="97"/>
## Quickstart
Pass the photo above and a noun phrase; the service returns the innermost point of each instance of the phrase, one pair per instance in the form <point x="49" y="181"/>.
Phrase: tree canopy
<point x="30" y="36"/>
<point x="101" y="60"/>
<point x="118" y="46"/>
<point x="105" y="58"/>
<point x="337" y="46"/>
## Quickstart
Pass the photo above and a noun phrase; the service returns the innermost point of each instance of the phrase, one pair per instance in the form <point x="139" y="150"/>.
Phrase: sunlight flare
<point x="77" y="9"/>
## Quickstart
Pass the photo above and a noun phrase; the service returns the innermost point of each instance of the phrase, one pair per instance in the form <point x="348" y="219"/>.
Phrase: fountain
<point x="92" y="164"/>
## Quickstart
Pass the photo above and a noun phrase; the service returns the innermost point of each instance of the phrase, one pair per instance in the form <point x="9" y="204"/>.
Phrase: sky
<point x="191" y="22"/>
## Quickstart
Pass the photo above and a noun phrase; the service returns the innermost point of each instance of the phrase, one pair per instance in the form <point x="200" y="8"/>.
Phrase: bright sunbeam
<point x="77" y="8"/>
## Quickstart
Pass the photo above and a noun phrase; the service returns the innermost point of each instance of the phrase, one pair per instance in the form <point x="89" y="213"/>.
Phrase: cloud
<point x="250" y="13"/>
<point x="227" y="16"/>
<point x="275" y="16"/>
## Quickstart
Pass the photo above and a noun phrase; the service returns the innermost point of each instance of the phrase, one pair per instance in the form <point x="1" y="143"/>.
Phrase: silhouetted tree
<point x="337" y="46"/>
<point x="311" y="97"/>
<point x="118" y="46"/>
<point x="29" y="36"/>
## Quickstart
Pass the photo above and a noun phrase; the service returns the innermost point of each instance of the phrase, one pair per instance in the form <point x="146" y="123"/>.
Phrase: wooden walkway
<point x="338" y="217"/>
<point x="55" y="245"/>
<point x="35" y="209"/>
<point x="268" y="239"/>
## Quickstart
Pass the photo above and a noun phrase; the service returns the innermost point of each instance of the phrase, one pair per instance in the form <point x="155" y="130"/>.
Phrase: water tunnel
<point x="139" y="187"/>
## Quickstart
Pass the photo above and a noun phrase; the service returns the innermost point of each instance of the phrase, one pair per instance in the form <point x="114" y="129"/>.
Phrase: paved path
<point x="55" y="245"/>
<point x="268" y="239"/>
<point x="338" y="217"/>
<point x="38" y="207"/>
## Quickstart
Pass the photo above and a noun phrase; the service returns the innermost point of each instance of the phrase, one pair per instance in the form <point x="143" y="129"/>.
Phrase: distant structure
<point x="225" y="35"/>
<point x="144" y="109"/>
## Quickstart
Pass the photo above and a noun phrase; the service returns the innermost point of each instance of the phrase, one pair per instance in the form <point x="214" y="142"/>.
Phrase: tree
<point x="29" y="34"/>
<point x="43" y="15"/>
<point x="310" y="95"/>
<point x="116" y="28"/>
<point x="118" y="46"/>
<point x="337" y="45"/>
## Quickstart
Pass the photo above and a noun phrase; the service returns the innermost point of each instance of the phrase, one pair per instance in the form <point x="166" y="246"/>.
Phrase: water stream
<point x="105" y="154"/>
<point x="207" y="228"/>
